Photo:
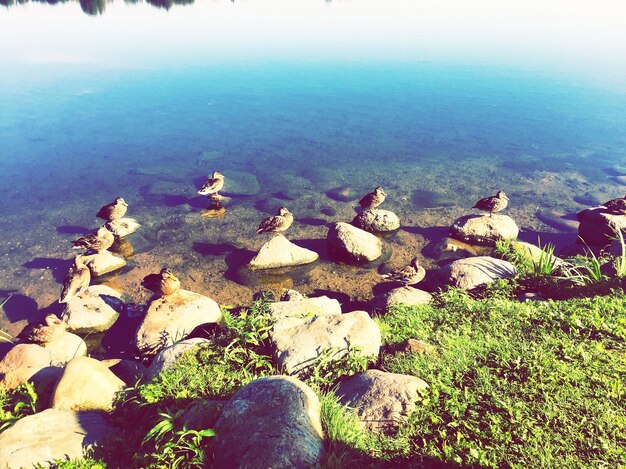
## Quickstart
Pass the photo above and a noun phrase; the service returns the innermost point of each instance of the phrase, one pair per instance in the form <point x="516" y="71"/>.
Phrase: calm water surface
<point x="290" y="102"/>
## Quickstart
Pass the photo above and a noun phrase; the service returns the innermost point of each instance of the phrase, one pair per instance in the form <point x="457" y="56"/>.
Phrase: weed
<point x="17" y="403"/>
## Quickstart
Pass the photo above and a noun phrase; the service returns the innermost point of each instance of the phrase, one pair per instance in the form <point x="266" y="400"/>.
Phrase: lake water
<point x="439" y="104"/>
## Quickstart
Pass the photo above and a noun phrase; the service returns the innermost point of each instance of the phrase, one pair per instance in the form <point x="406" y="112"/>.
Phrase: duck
<point x="212" y="185"/>
<point x="493" y="204"/>
<point x="616" y="206"/>
<point x="50" y="330"/>
<point x="165" y="283"/>
<point x="76" y="280"/>
<point x="373" y="199"/>
<point x="277" y="223"/>
<point x="114" y="210"/>
<point x="410" y="275"/>
<point x="99" y="241"/>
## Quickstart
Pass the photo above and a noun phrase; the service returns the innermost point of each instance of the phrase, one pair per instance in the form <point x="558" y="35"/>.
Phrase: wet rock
<point x="95" y="310"/>
<point x="65" y="348"/>
<point x="240" y="183"/>
<point x="171" y="319"/>
<point x="598" y="228"/>
<point x="343" y="194"/>
<point x="280" y="252"/>
<point x="129" y="371"/>
<point x="22" y="363"/>
<point x="167" y="357"/>
<point x="557" y="220"/>
<point x="86" y="384"/>
<point x="407" y="296"/>
<point x="483" y="229"/>
<point x="299" y="342"/>
<point x="353" y="244"/>
<point x="287" y="430"/>
<point x="377" y="221"/>
<point x="52" y="434"/>
<point x="103" y="262"/>
<point x="123" y="226"/>
<point x="383" y="401"/>
<point x="472" y="272"/>
<point x="304" y="307"/>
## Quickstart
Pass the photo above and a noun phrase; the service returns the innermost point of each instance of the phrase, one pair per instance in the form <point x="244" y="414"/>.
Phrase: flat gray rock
<point x="103" y="262"/>
<point x="377" y="221"/>
<point x="167" y="357"/>
<point x="383" y="401"/>
<point x="271" y="422"/>
<point x="298" y="342"/>
<point x="280" y="252"/>
<point x="304" y="308"/>
<point x="353" y="244"/>
<point x="472" y="272"/>
<point x="41" y="438"/>
<point x="95" y="310"/>
<point x="240" y="183"/>
<point x="483" y="229"/>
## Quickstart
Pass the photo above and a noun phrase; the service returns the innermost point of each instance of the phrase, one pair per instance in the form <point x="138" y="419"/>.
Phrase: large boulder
<point x="22" y="363"/>
<point x="66" y="347"/>
<point x="95" y="310"/>
<point x="305" y="307"/>
<point x="353" y="244"/>
<point x="377" y="221"/>
<point x="172" y="319"/>
<point x="103" y="262"/>
<point x="122" y="227"/>
<point x="271" y="422"/>
<point x="472" y="272"/>
<point x="86" y="384"/>
<point x="407" y="296"/>
<point x="299" y="342"/>
<point x="599" y="228"/>
<point x="383" y="401"/>
<point x="50" y="435"/>
<point x="483" y="229"/>
<point x="280" y="252"/>
<point x="167" y="357"/>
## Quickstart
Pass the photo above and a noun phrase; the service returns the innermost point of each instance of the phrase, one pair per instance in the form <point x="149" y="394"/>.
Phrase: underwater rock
<point x="167" y="357"/>
<point x="271" y="422"/>
<point x="423" y="198"/>
<point x="304" y="307"/>
<point x="588" y="198"/>
<point x="280" y="252"/>
<point x="240" y="183"/>
<point x="22" y="363"/>
<point x="321" y="177"/>
<point x="37" y="440"/>
<point x="299" y="342"/>
<point x="599" y="228"/>
<point x="66" y="347"/>
<point x="383" y="401"/>
<point x="208" y="158"/>
<point x="170" y="319"/>
<point x="377" y="221"/>
<point x="619" y="180"/>
<point x="407" y="296"/>
<point x="269" y="205"/>
<point x="86" y="384"/>
<point x="343" y="194"/>
<point x="103" y="262"/>
<point x="353" y="244"/>
<point x="556" y="220"/>
<point x="472" y="272"/>
<point x="122" y="227"/>
<point x="95" y="310"/>
<point x="483" y="229"/>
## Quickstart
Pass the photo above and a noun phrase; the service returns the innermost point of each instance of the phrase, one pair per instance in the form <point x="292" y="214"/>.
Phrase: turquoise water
<point x="436" y="134"/>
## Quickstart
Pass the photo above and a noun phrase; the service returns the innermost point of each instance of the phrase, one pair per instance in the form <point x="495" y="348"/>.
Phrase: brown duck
<point x="493" y="204"/>
<point x="616" y="206"/>
<point x="76" y="280"/>
<point x="164" y="283"/>
<point x="101" y="240"/>
<point x="51" y="329"/>
<point x="114" y="210"/>
<point x="410" y="275"/>
<point x="277" y="223"/>
<point x="373" y="199"/>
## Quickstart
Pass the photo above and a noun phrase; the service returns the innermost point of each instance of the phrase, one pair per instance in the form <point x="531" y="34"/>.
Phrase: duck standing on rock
<point x="277" y="223"/>
<point x="99" y="241"/>
<point x="212" y="186"/>
<point x="410" y="275"/>
<point x="493" y="204"/>
<point x="114" y="210"/>
<point x="76" y="280"/>
<point x="616" y="206"/>
<point x="51" y="329"/>
<point x="373" y="199"/>
<point x="165" y="283"/>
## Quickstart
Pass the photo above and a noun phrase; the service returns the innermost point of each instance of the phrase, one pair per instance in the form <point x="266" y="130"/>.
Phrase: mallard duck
<point x="616" y="206"/>
<point x="101" y="240"/>
<point x="373" y="199"/>
<point x="493" y="204"/>
<point x="76" y="280"/>
<point x="51" y="329"/>
<point x="277" y="223"/>
<point x="114" y="210"/>
<point x="410" y="275"/>
<point x="164" y="283"/>
<point x="212" y="185"/>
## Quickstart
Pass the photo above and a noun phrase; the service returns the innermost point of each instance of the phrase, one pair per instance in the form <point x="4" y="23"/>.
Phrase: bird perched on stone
<point x="493" y="204"/>
<point x="616" y="206"/>
<point x="101" y="240"/>
<point x="50" y="330"/>
<point x="114" y="210"/>
<point x="277" y="223"/>
<point x="373" y="199"/>
<point x="76" y="280"/>
<point x="164" y="283"/>
<point x="410" y="275"/>
<point x="212" y="185"/>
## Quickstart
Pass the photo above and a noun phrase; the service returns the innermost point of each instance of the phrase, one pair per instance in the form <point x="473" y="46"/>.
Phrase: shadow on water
<point x="58" y="267"/>
<point x="73" y="230"/>
<point x="347" y="303"/>
<point x="18" y="307"/>
<point x="317" y="245"/>
<point x="385" y="287"/>
<point x="431" y="233"/>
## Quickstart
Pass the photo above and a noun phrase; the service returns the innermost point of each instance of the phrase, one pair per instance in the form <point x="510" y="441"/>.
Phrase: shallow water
<point x="437" y="136"/>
